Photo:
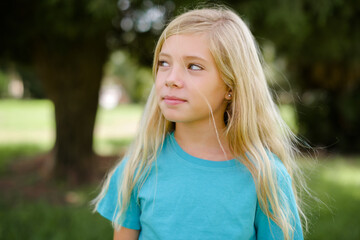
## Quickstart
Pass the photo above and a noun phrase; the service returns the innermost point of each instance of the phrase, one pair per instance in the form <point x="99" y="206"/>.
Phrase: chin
<point x="174" y="117"/>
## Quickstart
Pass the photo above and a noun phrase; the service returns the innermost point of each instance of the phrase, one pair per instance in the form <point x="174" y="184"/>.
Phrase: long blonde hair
<point x="253" y="123"/>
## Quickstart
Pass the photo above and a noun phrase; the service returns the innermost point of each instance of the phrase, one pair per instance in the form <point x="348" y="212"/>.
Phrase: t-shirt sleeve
<point x="108" y="206"/>
<point x="266" y="230"/>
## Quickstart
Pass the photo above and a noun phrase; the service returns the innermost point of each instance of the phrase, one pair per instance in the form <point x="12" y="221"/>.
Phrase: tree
<point x="65" y="42"/>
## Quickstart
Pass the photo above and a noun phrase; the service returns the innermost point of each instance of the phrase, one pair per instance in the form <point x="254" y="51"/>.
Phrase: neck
<point x="203" y="140"/>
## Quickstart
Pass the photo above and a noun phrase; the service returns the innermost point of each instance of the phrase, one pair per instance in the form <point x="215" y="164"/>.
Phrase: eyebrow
<point x="186" y="57"/>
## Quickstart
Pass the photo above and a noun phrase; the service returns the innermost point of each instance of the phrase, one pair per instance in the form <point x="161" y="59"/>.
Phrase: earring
<point x="228" y="96"/>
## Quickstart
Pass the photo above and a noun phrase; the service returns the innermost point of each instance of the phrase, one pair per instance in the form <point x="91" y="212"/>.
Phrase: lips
<point x="171" y="100"/>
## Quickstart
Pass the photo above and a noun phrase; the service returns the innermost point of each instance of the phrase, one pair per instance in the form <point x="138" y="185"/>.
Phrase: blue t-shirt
<point x="185" y="197"/>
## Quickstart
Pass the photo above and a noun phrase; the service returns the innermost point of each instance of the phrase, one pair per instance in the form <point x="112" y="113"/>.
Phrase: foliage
<point x="4" y="82"/>
<point x="319" y="40"/>
<point x="135" y="79"/>
<point x="55" y="22"/>
<point x="139" y="23"/>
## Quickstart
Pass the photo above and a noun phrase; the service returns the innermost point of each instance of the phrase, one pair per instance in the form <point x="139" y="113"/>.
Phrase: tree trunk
<point x="71" y="77"/>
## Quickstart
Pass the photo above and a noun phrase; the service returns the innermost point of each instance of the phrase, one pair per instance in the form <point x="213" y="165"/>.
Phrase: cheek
<point x="216" y="96"/>
<point x="160" y="78"/>
<point x="158" y="84"/>
<point x="214" y="90"/>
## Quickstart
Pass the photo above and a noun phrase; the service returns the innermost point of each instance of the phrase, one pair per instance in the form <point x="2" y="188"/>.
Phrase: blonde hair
<point x="253" y="123"/>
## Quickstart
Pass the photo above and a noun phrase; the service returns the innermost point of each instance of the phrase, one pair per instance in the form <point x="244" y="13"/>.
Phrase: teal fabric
<point x="185" y="197"/>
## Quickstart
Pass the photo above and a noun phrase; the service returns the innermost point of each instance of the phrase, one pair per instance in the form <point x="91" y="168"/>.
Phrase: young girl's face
<point x="188" y="82"/>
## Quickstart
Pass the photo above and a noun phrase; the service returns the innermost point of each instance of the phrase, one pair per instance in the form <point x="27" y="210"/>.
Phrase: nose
<point x="175" y="77"/>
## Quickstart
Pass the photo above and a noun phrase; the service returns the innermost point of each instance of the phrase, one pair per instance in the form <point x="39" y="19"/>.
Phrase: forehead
<point x="187" y="44"/>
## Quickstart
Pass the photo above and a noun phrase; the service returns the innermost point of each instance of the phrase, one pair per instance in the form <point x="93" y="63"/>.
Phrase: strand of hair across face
<point x="216" y="131"/>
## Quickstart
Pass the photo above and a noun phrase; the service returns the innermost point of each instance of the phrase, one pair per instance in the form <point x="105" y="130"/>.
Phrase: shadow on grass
<point x="42" y="220"/>
<point x="10" y="153"/>
<point x="33" y="208"/>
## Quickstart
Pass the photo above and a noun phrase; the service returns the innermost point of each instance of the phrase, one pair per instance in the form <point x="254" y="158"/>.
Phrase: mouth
<point x="171" y="100"/>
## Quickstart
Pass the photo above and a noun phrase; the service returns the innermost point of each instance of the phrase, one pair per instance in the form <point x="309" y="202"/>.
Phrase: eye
<point x="195" y="67"/>
<point x="162" y="63"/>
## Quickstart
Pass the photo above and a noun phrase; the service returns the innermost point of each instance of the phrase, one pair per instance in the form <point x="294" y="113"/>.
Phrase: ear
<point x="228" y="95"/>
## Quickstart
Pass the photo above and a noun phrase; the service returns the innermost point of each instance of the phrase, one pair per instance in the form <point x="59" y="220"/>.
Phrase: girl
<point x="212" y="158"/>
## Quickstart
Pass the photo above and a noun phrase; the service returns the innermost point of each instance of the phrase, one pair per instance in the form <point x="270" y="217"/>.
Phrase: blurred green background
<point x="74" y="76"/>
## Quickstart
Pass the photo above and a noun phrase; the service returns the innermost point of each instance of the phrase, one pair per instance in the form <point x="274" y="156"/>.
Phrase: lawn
<point x="336" y="182"/>
<point x="26" y="129"/>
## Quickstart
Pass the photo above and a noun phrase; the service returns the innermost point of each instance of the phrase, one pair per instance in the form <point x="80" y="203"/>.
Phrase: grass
<point x="41" y="220"/>
<point x="10" y="152"/>
<point x="334" y="180"/>
<point x="115" y="128"/>
<point x="23" y="121"/>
